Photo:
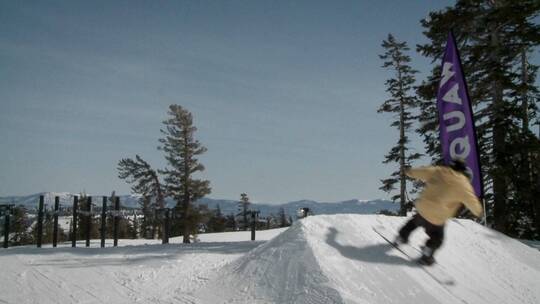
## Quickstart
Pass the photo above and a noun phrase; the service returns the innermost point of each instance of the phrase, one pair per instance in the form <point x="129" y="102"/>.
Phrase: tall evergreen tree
<point x="491" y="37"/>
<point x="401" y="103"/>
<point x="525" y="147"/>
<point x="181" y="152"/>
<point x="243" y="205"/>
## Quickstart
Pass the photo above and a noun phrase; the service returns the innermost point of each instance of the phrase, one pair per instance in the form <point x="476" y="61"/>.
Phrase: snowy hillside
<point x="320" y="259"/>
<point x="340" y="259"/>
<point x="138" y="271"/>
<point x="226" y="206"/>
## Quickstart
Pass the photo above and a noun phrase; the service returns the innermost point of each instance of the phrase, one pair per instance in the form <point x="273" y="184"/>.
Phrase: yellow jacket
<point x="445" y="191"/>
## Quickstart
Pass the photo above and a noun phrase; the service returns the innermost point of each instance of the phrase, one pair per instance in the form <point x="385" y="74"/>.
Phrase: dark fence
<point x="88" y="220"/>
<point x="43" y="227"/>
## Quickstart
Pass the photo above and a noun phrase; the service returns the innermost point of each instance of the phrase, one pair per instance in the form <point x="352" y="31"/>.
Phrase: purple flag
<point x="456" y="124"/>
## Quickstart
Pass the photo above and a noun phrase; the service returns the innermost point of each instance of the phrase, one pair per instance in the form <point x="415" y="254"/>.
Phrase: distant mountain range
<point x="226" y="206"/>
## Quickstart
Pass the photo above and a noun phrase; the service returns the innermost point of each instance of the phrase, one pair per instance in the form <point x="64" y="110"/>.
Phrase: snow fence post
<point x="116" y="214"/>
<point x="55" y="225"/>
<point x="74" y="221"/>
<point x="40" y="221"/>
<point x="88" y="219"/>
<point x="103" y="219"/>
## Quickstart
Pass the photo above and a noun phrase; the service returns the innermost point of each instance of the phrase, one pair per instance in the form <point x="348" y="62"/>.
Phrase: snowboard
<point x="435" y="271"/>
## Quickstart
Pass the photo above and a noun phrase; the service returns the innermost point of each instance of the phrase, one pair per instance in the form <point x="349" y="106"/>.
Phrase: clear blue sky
<point x="284" y="93"/>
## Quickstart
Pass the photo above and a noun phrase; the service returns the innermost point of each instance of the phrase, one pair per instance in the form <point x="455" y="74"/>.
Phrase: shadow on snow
<point x="378" y="253"/>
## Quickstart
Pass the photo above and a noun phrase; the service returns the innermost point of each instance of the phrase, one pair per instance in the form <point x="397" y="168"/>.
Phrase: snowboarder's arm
<point x="421" y="173"/>
<point x="472" y="203"/>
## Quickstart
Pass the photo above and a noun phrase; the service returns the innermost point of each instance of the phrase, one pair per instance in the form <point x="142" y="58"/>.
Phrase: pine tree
<point x="243" y="205"/>
<point x="218" y="211"/>
<point x="84" y="219"/>
<point x="70" y="232"/>
<point x="147" y="218"/>
<point x="401" y="104"/>
<point x="48" y="228"/>
<point x="145" y="182"/>
<point x="523" y="147"/>
<point x="109" y="220"/>
<point x="181" y="152"/>
<point x="19" y="227"/>
<point x="134" y="227"/>
<point x="125" y="226"/>
<point x="491" y="36"/>
<point x="230" y="223"/>
<point x="217" y="222"/>
<point x="282" y="218"/>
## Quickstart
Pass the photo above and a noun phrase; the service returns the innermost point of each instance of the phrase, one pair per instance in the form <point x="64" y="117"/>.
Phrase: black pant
<point x="435" y="232"/>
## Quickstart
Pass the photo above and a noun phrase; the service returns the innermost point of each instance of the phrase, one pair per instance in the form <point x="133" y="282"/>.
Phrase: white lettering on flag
<point x="446" y="73"/>
<point x="460" y="148"/>
<point x="460" y="120"/>
<point x="452" y="95"/>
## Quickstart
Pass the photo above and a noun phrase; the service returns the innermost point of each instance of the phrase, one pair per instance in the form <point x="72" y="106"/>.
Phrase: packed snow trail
<point x="320" y="259"/>
<point x="340" y="259"/>
<point x="140" y="271"/>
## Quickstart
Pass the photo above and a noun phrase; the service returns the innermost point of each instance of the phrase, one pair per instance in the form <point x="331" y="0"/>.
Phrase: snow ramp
<point x="340" y="259"/>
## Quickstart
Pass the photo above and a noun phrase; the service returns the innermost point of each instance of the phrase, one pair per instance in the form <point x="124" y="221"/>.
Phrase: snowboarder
<point x="304" y="212"/>
<point x="447" y="188"/>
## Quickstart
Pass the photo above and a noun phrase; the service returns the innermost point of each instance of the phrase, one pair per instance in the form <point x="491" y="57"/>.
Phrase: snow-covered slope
<point x="139" y="271"/>
<point x="320" y="259"/>
<point x="340" y="259"/>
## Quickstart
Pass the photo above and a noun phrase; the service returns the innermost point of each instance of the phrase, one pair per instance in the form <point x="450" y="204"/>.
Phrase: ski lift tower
<point x="254" y="219"/>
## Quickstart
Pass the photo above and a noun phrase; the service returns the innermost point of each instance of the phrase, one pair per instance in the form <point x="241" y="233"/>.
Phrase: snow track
<point x="136" y="273"/>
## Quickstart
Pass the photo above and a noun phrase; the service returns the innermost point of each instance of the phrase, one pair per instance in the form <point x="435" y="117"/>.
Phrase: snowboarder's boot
<point x="426" y="260"/>
<point x="399" y="240"/>
<point x="427" y="256"/>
